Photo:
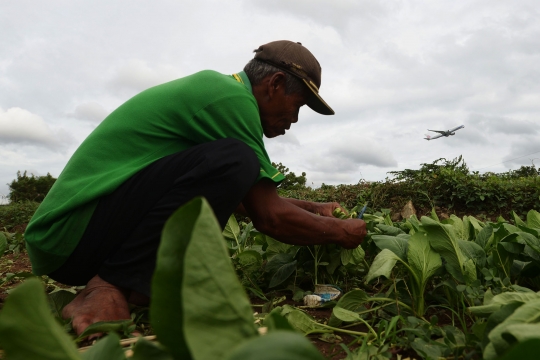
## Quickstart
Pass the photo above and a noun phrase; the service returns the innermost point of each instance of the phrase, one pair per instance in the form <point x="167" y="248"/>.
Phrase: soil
<point x="12" y="263"/>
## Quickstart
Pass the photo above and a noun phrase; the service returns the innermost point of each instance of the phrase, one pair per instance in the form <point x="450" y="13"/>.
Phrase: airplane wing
<point x="437" y="131"/>
<point x="459" y="127"/>
<point x="429" y="137"/>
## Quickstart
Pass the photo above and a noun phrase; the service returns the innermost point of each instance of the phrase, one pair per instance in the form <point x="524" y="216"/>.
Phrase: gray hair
<point x="257" y="70"/>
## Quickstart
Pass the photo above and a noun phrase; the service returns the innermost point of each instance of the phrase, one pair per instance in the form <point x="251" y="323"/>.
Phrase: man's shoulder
<point x="218" y="80"/>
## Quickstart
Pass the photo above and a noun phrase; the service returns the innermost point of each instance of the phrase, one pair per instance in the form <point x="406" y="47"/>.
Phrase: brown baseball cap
<point x="293" y="58"/>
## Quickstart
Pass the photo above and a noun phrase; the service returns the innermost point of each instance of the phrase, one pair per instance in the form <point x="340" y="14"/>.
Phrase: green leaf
<point x="277" y="345"/>
<point x="423" y="262"/>
<point x="521" y="332"/>
<point x="303" y="322"/>
<point x="353" y="300"/>
<point x="277" y="261"/>
<point x="276" y="247"/>
<point x="528" y="313"/>
<point x="527" y="350"/>
<point x="443" y="240"/>
<point x="197" y="300"/>
<point x="145" y="350"/>
<point x="517" y="219"/>
<point x="28" y="331"/>
<point x="58" y="300"/>
<point x="106" y="327"/>
<point x="382" y="265"/>
<point x="484" y="236"/>
<point x="459" y="229"/>
<point x="282" y="274"/>
<point x="533" y="219"/>
<point x="474" y="252"/>
<point x="428" y="350"/>
<point x="107" y="348"/>
<point x="396" y="244"/>
<point x="358" y="256"/>
<point x="390" y="230"/>
<point x="3" y="244"/>
<point x="434" y="215"/>
<point x="232" y="230"/>
<point x="250" y="258"/>
<point x="275" y="321"/>
<point x="493" y="321"/>
<point x="500" y="300"/>
<point x="345" y="256"/>
<point x="345" y="315"/>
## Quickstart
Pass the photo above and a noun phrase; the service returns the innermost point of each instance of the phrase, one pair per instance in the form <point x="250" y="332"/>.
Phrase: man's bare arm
<point x="288" y="222"/>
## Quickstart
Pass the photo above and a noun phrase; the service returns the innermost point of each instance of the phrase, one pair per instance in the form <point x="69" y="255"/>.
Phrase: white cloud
<point x="90" y="111"/>
<point x="136" y="75"/>
<point x="19" y="126"/>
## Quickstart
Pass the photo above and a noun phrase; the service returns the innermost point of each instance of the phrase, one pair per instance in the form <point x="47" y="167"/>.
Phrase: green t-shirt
<point x="160" y="121"/>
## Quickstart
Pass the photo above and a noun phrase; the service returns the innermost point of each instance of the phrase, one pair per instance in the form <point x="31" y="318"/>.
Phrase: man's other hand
<point x="355" y="230"/>
<point x="326" y="209"/>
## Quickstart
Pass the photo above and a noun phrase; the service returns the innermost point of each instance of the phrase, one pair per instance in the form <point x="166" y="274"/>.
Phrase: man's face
<point x="280" y="112"/>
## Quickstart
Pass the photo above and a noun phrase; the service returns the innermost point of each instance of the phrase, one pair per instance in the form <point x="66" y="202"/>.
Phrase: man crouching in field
<point x="201" y="135"/>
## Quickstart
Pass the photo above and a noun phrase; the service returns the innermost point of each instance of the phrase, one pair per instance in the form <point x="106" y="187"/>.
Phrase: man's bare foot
<point x="99" y="301"/>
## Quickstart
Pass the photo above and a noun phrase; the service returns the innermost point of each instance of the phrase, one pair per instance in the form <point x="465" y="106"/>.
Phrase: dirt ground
<point x="12" y="264"/>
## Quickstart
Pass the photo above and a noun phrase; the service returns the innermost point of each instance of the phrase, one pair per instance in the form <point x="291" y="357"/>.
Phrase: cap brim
<point x="316" y="103"/>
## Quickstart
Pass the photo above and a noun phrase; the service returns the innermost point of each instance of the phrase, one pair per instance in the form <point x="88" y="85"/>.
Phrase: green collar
<point x="242" y="78"/>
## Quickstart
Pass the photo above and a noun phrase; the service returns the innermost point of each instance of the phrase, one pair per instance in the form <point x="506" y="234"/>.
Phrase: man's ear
<point x="276" y="83"/>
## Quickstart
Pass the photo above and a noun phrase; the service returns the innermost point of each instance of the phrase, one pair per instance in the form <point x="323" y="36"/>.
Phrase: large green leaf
<point x="277" y="345"/>
<point x="397" y="244"/>
<point x="532" y="241"/>
<point x="527" y="350"/>
<point x="199" y="309"/>
<point x="276" y="247"/>
<point x="382" y="265"/>
<point x="500" y="300"/>
<point x="484" y="236"/>
<point x="145" y="350"/>
<point x="493" y="321"/>
<point x="232" y="230"/>
<point x="303" y="322"/>
<point x="58" y="300"/>
<point x="473" y="252"/>
<point x="390" y="230"/>
<point x="106" y="327"/>
<point x="353" y="301"/>
<point x="358" y="255"/>
<point x="443" y="240"/>
<point x="459" y="229"/>
<point x="3" y="243"/>
<point x="423" y="261"/>
<point x="517" y="220"/>
<point x="282" y="274"/>
<point x="528" y="313"/>
<point x="521" y="332"/>
<point x="533" y="219"/>
<point x="28" y="331"/>
<point x="107" y="348"/>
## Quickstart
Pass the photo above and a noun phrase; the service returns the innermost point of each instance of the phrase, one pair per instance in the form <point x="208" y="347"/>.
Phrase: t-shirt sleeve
<point x="235" y="116"/>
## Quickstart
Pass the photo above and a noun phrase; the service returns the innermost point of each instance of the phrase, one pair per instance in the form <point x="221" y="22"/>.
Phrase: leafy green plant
<point x="199" y="309"/>
<point x="417" y="257"/>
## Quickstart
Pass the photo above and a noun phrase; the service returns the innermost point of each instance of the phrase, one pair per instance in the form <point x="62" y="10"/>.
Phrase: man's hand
<point x="326" y="209"/>
<point x="294" y="221"/>
<point x="355" y="230"/>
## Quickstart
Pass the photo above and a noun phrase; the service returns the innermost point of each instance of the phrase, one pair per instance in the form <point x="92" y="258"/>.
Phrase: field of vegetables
<point x="419" y="287"/>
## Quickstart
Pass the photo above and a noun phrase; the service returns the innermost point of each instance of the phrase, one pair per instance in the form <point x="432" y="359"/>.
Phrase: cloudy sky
<point x="391" y="70"/>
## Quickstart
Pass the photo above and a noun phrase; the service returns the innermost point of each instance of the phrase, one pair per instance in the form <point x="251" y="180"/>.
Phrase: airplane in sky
<point x="446" y="133"/>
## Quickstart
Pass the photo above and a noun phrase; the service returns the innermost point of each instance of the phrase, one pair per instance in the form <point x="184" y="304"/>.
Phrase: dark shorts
<point x="121" y="241"/>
